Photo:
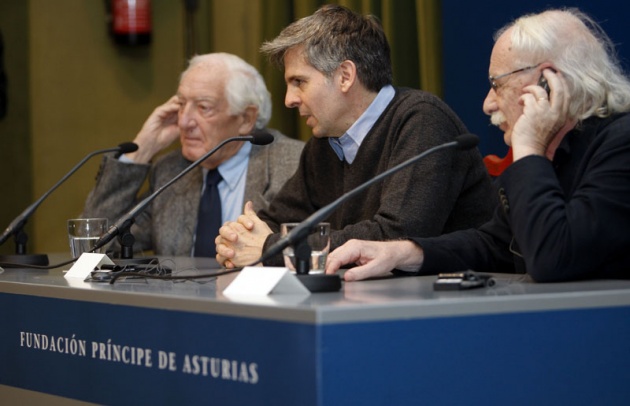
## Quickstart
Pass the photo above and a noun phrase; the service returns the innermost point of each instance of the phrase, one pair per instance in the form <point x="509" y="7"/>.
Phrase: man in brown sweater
<point x="338" y="74"/>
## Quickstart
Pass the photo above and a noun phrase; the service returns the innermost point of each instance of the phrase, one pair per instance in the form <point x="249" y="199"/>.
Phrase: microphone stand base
<point x="320" y="282"/>
<point x="25" y="259"/>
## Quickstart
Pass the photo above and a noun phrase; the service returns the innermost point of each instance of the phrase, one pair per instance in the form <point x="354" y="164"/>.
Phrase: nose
<point x="490" y="102"/>
<point x="185" y="117"/>
<point x="291" y="99"/>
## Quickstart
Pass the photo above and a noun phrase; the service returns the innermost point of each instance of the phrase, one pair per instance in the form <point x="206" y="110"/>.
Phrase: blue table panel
<point x="281" y="355"/>
<point x="576" y="357"/>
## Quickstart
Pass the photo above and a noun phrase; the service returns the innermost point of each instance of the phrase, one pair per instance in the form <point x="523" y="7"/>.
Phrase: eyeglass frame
<point x="493" y="79"/>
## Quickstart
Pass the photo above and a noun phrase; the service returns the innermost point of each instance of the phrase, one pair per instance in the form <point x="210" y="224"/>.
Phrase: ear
<point x="347" y="75"/>
<point x="545" y="65"/>
<point x="249" y="117"/>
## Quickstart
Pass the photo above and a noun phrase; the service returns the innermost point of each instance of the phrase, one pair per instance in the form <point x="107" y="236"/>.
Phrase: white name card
<point x="262" y="281"/>
<point x="86" y="263"/>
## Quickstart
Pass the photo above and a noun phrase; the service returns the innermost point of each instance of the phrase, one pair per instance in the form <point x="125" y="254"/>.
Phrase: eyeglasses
<point x="493" y="79"/>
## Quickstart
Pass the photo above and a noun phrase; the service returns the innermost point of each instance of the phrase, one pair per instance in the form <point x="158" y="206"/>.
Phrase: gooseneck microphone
<point x="321" y="283"/>
<point x="17" y="225"/>
<point x="124" y="223"/>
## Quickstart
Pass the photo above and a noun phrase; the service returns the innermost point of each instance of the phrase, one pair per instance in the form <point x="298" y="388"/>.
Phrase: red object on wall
<point x="131" y="21"/>
<point x="496" y="165"/>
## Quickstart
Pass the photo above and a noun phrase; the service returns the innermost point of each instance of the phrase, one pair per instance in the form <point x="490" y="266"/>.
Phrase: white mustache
<point x="497" y="118"/>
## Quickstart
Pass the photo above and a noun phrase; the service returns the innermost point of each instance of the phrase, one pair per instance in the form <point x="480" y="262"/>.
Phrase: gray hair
<point x="582" y="51"/>
<point x="332" y="35"/>
<point x="244" y="86"/>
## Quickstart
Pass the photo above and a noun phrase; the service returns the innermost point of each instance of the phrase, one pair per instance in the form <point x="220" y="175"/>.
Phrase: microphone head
<point x="261" y="138"/>
<point x="466" y="141"/>
<point x="127" y="147"/>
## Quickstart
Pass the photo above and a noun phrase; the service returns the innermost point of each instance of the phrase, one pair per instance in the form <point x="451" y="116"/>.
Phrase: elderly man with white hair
<point x="562" y="100"/>
<point x="219" y="96"/>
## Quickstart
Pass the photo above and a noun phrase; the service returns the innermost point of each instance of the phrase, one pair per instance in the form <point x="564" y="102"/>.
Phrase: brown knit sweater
<point x="446" y="191"/>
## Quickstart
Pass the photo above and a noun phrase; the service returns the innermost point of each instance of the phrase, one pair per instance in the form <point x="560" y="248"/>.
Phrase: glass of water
<point x="318" y="240"/>
<point x="84" y="233"/>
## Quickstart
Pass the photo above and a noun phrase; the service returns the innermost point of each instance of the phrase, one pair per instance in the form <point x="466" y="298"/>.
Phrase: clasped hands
<point x="240" y="242"/>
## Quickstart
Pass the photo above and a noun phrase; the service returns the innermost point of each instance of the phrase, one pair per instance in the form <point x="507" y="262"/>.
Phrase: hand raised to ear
<point x="543" y="117"/>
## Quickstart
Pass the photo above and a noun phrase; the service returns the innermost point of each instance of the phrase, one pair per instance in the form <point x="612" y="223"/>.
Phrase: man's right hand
<point x="158" y="132"/>
<point x="374" y="258"/>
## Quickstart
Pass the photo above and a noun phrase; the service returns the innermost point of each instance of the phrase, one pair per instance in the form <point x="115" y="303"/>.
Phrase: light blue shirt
<point x="232" y="187"/>
<point x="347" y="146"/>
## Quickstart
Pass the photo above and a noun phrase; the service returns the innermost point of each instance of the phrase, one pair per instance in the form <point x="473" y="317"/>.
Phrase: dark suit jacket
<point x="559" y="220"/>
<point x="168" y="224"/>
